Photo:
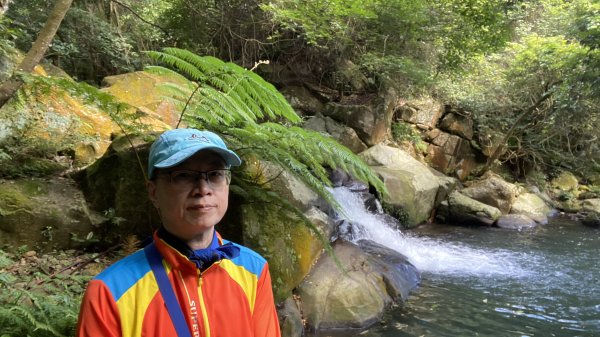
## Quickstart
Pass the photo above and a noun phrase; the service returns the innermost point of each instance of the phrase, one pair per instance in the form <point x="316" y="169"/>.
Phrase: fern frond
<point x="37" y="325"/>
<point x="179" y="64"/>
<point x="253" y="98"/>
<point x="162" y="71"/>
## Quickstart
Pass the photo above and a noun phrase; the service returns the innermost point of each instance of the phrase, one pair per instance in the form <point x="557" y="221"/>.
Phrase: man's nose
<point x="202" y="183"/>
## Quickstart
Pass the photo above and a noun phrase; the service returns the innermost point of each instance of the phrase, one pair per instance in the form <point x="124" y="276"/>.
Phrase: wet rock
<point x="533" y="206"/>
<point x="462" y="210"/>
<point x="290" y="319"/>
<point x="516" y="221"/>
<point x="355" y="295"/>
<point x="412" y="186"/>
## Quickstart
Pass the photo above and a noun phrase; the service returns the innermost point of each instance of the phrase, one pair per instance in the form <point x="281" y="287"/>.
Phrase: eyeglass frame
<point x="199" y="175"/>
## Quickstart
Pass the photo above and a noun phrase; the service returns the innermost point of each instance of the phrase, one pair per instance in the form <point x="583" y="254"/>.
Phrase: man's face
<point x="189" y="210"/>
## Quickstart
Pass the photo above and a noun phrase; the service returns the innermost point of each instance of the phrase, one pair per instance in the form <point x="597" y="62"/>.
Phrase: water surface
<point x="491" y="281"/>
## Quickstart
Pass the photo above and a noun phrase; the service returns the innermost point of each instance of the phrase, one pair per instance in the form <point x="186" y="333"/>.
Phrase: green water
<point x="542" y="282"/>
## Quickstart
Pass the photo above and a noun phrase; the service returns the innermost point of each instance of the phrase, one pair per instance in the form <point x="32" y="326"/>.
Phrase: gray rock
<point x="450" y="153"/>
<point x="290" y="319"/>
<point x="343" y="134"/>
<point x="462" y="210"/>
<point x="355" y="295"/>
<point x="457" y="124"/>
<point x="302" y="100"/>
<point x="424" y="111"/>
<point x="412" y="186"/>
<point x="516" y="221"/>
<point x="533" y="206"/>
<point x="371" y="120"/>
<point x="494" y="191"/>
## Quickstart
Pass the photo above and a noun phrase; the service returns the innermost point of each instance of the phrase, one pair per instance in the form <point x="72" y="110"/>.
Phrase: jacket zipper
<point x="203" y="307"/>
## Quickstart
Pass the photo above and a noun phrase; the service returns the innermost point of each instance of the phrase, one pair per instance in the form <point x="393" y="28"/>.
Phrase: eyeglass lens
<point x="214" y="178"/>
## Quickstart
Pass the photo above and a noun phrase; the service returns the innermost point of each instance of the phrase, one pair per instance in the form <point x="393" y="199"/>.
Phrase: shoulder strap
<point x="168" y="295"/>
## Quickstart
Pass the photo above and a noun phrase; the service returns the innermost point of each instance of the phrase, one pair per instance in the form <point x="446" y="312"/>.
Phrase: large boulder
<point x="371" y="120"/>
<point x="288" y="186"/>
<point x="458" y="124"/>
<point x="450" y="154"/>
<point x="45" y="214"/>
<point x="143" y="91"/>
<point x="591" y="205"/>
<point x="494" y="191"/>
<point x="425" y="112"/>
<point x="565" y="182"/>
<point x="591" y="212"/>
<point x="354" y="293"/>
<point x="289" y="244"/>
<point x="55" y="123"/>
<point x="413" y="188"/>
<point x="302" y="100"/>
<point x="343" y="134"/>
<point x="462" y="210"/>
<point x="69" y="131"/>
<point x="531" y="205"/>
<point x="115" y="184"/>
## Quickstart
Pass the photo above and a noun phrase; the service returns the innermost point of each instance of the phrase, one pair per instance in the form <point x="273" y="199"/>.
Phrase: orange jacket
<point x="232" y="298"/>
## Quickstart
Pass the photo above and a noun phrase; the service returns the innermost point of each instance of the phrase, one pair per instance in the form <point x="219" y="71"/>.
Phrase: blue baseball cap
<point x="175" y="146"/>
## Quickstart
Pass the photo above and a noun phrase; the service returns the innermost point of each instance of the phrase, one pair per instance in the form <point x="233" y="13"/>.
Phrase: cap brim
<point x="230" y="158"/>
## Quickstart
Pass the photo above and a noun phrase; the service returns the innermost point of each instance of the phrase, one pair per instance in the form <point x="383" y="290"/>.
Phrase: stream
<point x="489" y="281"/>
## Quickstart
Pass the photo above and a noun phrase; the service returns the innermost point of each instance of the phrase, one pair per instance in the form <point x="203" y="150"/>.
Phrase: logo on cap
<point x="198" y="138"/>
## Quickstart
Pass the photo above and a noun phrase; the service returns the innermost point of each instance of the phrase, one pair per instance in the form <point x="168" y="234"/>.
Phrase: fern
<point x="255" y="119"/>
<point x="252" y="96"/>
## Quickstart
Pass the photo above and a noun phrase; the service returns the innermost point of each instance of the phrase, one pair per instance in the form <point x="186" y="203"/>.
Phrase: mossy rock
<point x="566" y="182"/>
<point x="12" y="200"/>
<point x="290" y="247"/>
<point x="115" y="185"/>
<point x="44" y="214"/>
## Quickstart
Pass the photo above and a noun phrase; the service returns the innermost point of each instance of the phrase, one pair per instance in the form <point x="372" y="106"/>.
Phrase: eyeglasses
<point x="187" y="178"/>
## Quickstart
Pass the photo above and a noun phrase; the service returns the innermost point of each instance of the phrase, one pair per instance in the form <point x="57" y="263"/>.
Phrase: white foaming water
<point x="428" y="255"/>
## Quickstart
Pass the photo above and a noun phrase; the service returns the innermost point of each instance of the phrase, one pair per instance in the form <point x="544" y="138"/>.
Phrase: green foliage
<point x="540" y="90"/>
<point x="411" y="76"/>
<point x="8" y="34"/>
<point x="256" y="120"/>
<point x="404" y="132"/>
<point x="101" y="51"/>
<point x="321" y="23"/>
<point x="464" y="29"/>
<point x="227" y="29"/>
<point x="37" y="305"/>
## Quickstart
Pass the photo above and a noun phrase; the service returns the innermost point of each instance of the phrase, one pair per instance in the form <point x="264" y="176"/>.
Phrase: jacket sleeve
<point x="98" y="315"/>
<point x="264" y="316"/>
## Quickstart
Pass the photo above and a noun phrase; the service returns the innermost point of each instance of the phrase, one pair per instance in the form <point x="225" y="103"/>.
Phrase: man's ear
<point x="151" y="187"/>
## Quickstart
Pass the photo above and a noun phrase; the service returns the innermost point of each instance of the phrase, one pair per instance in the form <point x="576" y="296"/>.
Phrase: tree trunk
<point x="37" y="51"/>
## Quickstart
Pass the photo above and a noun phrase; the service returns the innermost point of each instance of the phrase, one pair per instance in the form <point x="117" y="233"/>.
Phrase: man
<point x="189" y="281"/>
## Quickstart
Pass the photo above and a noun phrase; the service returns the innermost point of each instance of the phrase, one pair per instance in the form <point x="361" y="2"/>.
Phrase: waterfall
<point x="427" y="254"/>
